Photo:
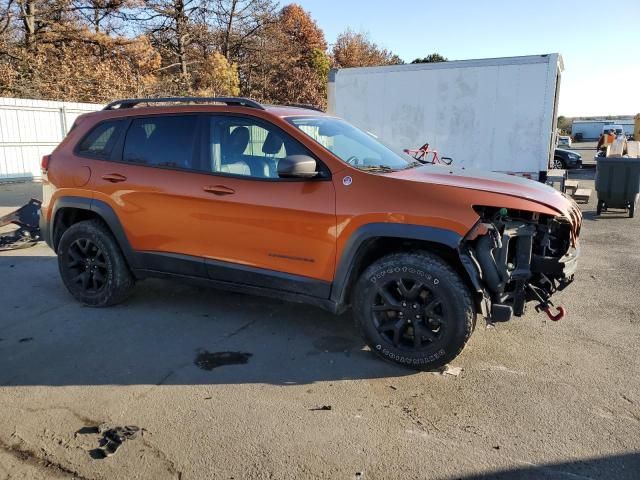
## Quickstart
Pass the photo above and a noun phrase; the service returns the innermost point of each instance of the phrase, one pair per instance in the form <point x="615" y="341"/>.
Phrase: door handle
<point x="219" y="190"/>
<point x="114" y="177"/>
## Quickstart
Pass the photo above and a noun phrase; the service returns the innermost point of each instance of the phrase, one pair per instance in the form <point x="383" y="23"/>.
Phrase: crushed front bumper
<point x="523" y="258"/>
<point x="564" y="267"/>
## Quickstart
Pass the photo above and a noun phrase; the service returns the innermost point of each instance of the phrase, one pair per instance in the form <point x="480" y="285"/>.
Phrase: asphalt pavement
<point x="228" y="386"/>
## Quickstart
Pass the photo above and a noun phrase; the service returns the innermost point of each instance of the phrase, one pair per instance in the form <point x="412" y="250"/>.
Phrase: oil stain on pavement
<point x="209" y="360"/>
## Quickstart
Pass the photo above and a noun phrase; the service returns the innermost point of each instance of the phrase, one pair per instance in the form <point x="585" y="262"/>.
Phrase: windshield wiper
<point x="377" y="168"/>
<point x="417" y="163"/>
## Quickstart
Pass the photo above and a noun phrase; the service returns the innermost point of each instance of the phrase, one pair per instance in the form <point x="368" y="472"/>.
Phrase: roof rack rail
<point x="132" y="102"/>
<point x="308" y="106"/>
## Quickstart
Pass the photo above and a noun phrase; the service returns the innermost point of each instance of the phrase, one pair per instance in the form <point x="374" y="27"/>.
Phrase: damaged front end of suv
<point x="522" y="256"/>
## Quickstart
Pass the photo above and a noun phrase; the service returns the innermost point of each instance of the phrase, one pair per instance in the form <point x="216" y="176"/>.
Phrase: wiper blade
<point x="417" y="163"/>
<point x="377" y="168"/>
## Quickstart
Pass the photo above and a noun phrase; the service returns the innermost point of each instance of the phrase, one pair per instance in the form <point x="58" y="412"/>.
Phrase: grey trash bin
<point x="618" y="183"/>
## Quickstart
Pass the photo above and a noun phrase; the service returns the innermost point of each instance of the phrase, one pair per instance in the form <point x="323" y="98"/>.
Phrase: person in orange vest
<point x="606" y="138"/>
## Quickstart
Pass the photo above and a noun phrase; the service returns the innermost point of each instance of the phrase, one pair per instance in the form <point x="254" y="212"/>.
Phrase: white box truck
<point x="495" y="114"/>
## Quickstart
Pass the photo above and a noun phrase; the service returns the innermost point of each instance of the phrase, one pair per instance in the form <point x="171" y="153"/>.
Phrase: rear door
<point x="151" y="183"/>
<point x="258" y="228"/>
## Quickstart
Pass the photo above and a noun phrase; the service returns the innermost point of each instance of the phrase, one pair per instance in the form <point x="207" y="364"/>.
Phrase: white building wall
<point x="30" y="129"/>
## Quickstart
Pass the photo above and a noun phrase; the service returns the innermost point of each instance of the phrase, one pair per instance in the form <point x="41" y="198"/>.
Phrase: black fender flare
<point x="102" y="210"/>
<point x="358" y="239"/>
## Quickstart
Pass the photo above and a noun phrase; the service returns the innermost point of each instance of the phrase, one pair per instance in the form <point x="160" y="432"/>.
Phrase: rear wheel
<point x="92" y="266"/>
<point x="599" y="207"/>
<point x="632" y="210"/>
<point x="413" y="309"/>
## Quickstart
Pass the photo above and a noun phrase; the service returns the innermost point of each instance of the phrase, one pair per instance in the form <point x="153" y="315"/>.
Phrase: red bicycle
<point x="422" y="155"/>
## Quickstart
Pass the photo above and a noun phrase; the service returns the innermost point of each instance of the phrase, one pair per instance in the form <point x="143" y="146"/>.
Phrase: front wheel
<point x="413" y="309"/>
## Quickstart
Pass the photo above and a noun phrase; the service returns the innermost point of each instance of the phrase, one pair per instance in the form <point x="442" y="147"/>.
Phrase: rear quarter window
<point x="99" y="142"/>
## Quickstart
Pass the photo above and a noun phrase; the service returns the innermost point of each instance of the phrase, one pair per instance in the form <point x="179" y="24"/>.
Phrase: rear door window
<point x="167" y="141"/>
<point x="101" y="140"/>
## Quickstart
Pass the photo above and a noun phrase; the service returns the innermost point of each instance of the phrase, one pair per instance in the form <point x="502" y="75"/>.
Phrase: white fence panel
<point x="30" y="129"/>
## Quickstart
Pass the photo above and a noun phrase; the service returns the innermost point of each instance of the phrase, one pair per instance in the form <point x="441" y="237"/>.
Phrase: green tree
<point x="431" y="58"/>
<point x="564" y="123"/>
<point x="320" y="63"/>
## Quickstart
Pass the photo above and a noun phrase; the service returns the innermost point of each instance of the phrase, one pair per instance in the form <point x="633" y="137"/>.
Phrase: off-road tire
<point x="441" y="282"/>
<point x="117" y="281"/>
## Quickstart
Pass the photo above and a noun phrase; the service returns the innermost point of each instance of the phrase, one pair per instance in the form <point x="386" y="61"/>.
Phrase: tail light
<point x="44" y="163"/>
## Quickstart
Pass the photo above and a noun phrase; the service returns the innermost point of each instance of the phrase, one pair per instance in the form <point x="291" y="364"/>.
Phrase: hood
<point x="489" y="182"/>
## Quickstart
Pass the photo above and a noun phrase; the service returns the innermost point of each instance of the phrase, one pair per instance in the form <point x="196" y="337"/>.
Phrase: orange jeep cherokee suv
<point x="292" y="202"/>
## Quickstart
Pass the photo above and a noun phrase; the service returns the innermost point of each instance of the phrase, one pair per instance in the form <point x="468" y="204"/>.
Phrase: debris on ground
<point x="25" y="339"/>
<point x="112" y="438"/>
<point x="448" y="370"/>
<point x="210" y="360"/>
<point x="323" y="407"/>
<point x="27" y="218"/>
<point x="454" y="371"/>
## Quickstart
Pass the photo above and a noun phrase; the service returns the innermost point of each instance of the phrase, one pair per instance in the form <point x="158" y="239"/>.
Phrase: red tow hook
<point x="559" y="316"/>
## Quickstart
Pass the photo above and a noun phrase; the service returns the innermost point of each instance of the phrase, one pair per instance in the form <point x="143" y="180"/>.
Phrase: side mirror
<point x="297" y="166"/>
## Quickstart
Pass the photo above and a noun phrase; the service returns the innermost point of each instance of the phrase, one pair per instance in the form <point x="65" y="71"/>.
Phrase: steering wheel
<point x="353" y="160"/>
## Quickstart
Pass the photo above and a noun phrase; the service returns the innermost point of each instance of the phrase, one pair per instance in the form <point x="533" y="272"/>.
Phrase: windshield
<point x="355" y="147"/>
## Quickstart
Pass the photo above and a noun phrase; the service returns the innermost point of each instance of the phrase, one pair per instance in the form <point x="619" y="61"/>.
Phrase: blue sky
<point x="601" y="50"/>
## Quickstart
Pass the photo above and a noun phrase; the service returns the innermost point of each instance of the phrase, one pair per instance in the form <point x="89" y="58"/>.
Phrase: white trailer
<point x="592" y="129"/>
<point x="494" y="114"/>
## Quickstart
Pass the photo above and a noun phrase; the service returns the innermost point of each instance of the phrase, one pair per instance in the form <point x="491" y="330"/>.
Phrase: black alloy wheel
<point x="408" y="314"/>
<point x="88" y="265"/>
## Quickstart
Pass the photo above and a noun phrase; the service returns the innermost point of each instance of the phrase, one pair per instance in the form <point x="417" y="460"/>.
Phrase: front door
<point x="258" y="228"/>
